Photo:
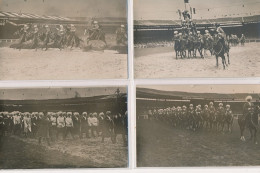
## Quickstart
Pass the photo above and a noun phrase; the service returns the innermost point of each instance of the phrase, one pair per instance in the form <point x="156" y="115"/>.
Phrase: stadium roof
<point x="158" y="94"/>
<point x="35" y="18"/>
<point x="228" y="22"/>
<point x="17" y="16"/>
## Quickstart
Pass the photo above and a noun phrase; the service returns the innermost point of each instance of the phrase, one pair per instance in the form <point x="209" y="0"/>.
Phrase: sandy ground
<point x="161" y="63"/>
<point x="18" y="153"/>
<point x="159" y="145"/>
<point x="54" y="64"/>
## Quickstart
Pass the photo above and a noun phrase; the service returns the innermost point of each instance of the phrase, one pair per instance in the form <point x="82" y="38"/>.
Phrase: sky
<point x="223" y="89"/>
<point x="55" y="93"/>
<point x="67" y="8"/>
<point x="167" y="9"/>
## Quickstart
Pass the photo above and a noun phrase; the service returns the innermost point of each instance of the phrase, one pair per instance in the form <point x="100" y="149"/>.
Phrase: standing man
<point x="69" y="125"/>
<point x="61" y="125"/>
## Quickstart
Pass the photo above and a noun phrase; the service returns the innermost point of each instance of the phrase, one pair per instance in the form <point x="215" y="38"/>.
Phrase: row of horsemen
<point x="34" y="36"/>
<point x="207" y="117"/>
<point x="194" y="118"/>
<point x="55" y="125"/>
<point x="191" y="40"/>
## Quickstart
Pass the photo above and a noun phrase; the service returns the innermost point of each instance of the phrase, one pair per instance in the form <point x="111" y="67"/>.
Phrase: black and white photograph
<point x="196" y="38"/>
<point x="197" y="125"/>
<point x="63" y="39"/>
<point x="85" y="127"/>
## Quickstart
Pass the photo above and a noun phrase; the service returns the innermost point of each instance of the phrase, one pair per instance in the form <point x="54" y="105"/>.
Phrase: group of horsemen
<point x="33" y="36"/>
<point x="55" y="125"/>
<point x="189" y="38"/>
<point x="194" y="118"/>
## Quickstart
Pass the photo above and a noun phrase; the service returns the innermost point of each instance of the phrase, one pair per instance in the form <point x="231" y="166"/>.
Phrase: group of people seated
<point x="58" y="125"/>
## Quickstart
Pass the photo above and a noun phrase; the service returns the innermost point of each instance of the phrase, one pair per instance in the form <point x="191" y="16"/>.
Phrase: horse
<point x="219" y="50"/>
<point x="228" y="119"/>
<point x="198" y="45"/>
<point x="180" y="48"/>
<point x="190" y="47"/>
<point x="249" y="120"/>
<point x="208" y="45"/>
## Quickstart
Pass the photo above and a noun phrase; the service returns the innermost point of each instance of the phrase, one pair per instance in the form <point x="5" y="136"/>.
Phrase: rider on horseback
<point x="222" y="35"/>
<point x="247" y="107"/>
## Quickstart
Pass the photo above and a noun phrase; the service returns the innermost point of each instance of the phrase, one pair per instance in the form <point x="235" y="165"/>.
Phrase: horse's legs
<point x="201" y="54"/>
<point x="223" y="61"/>
<point x="216" y="61"/>
<point x="228" y="57"/>
<point x="255" y="139"/>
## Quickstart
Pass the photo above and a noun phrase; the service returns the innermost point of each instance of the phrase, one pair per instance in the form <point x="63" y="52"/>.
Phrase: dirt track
<point x="54" y="64"/>
<point x="161" y="63"/>
<point x="18" y="153"/>
<point x="159" y="145"/>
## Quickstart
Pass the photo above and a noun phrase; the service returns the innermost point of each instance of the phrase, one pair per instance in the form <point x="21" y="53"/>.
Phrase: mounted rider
<point x="96" y="32"/>
<point x="246" y="108"/>
<point x="207" y="35"/>
<point x="121" y="35"/>
<point x="221" y="35"/>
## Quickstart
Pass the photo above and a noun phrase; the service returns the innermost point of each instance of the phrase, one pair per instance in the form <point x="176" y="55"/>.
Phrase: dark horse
<point x="219" y="50"/>
<point x="180" y="47"/>
<point x="250" y="121"/>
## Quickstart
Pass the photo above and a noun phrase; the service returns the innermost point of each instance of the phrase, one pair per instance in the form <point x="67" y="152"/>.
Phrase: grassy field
<point x="20" y="153"/>
<point x="159" y="145"/>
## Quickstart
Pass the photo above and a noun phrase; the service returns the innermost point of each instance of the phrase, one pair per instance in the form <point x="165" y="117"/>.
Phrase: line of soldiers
<point x="194" y="118"/>
<point x="33" y="36"/>
<point x="53" y="125"/>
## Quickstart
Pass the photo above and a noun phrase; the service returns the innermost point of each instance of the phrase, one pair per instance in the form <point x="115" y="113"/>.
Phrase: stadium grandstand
<point x="99" y="103"/>
<point x="162" y="30"/>
<point x="109" y="24"/>
<point x="156" y="99"/>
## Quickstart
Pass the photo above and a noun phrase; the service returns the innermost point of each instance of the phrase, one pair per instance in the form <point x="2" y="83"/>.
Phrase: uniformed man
<point x="69" y="125"/>
<point x="35" y="37"/>
<point x="121" y="36"/>
<point x="242" y="39"/>
<point x="62" y="34"/>
<point x="84" y="125"/>
<point x="96" y="33"/>
<point x="61" y="124"/>
<point x="47" y="38"/>
<point x="191" y="115"/>
<point x="53" y="128"/>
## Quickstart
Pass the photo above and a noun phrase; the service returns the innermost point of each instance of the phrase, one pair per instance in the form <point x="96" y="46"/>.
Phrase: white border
<point x="131" y="84"/>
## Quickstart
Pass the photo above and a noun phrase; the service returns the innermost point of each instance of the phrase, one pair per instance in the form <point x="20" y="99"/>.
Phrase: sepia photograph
<point x="196" y="38"/>
<point x="53" y="127"/>
<point x="197" y="125"/>
<point x="63" y="39"/>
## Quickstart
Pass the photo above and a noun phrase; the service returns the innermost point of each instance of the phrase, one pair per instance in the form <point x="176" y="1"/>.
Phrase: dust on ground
<point x="160" y="145"/>
<point x="160" y="62"/>
<point x="20" y="153"/>
<point x="53" y="64"/>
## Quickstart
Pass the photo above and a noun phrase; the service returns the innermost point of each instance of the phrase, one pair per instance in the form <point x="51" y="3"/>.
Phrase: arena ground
<point x="54" y="64"/>
<point x="20" y="153"/>
<point x="159" y="145"/>
<point x="160" y="62"/>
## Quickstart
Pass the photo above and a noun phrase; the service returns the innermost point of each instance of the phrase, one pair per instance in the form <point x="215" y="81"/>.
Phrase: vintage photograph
<point x="190" y="38"/>
<point x="197" y="125"/>
<point x="63" y="39"/>
<point x="63" y="128"/>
